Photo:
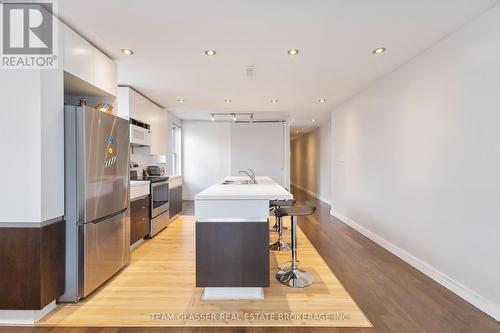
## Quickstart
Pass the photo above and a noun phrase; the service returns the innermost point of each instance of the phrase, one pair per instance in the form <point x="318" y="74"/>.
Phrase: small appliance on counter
<point x="159" y="207"/>
<point x="155" y="170"/>
<point x="133" y="170"/>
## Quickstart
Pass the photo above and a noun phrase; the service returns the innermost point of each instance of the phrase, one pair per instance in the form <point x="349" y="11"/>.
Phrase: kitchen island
<point x="232" y="238"/>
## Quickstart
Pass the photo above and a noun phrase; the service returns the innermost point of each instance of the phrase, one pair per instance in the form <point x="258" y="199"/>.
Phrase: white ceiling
<point x="335" y="39"/>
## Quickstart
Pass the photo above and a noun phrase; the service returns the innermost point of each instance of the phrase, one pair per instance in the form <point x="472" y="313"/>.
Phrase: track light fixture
<point x="235" y="116"/>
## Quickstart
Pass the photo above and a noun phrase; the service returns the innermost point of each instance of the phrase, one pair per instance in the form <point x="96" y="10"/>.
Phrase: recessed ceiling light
<point x="313" y="120"/>
<point x="180" y="101"/>
<point x="274" y="101"/>
<point x="210" y="52"/>
<point x="379" y="50"/>
<point x="293" y="52"/>
<point x="322" y="100"/>
<point x="127" y="51"/>
<point x="227" y="101"/>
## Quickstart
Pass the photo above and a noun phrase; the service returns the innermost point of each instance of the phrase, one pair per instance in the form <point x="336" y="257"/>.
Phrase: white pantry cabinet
<point x="160" y="138"/>
<point x="87" y="63"/>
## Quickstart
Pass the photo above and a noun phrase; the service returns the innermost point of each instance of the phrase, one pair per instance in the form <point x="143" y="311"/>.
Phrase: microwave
<point x="140" y="133"/>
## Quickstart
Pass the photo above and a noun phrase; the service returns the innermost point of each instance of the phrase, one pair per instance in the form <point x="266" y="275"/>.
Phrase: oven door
<point x="159" y="198"/>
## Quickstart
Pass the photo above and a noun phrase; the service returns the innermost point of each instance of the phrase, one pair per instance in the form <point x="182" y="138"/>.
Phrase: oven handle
<point x="159" y="183"/>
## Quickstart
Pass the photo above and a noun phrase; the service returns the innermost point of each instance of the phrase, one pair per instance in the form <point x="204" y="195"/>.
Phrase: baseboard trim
<point x="25" y="317"/>
<point x="454" y="286"/>
<point x="311" y="193"/>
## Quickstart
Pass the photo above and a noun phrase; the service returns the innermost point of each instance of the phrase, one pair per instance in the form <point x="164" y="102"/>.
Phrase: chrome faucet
<point x="250" y="175"/>
<point x="253" y="174"/>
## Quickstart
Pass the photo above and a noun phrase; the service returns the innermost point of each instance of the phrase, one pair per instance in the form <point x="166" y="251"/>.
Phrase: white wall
<point x="32" y="144"/>
<point x="260" y="147"/>
<point x="416" y="162"/>
<point x="206" y="151"/>
<point x="214" y="150"/>
<point x="310" y="162"/>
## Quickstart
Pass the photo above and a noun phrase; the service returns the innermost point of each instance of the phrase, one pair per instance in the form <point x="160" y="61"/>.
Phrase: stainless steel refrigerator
<point x="96" y="199"/>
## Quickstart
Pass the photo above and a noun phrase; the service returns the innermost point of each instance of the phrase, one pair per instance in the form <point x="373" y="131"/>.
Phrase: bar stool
<point x="280" y="245"/>
<point x="273" y="205"/>
<point x="293" y="277"/>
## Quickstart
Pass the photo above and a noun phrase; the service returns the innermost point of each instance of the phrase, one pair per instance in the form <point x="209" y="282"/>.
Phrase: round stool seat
<point x="282" y="203"/>
<point x="294" y="211"/>
<point x="273" y="205"/>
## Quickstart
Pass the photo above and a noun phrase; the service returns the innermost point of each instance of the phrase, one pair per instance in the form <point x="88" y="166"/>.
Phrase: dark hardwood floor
<point x="393" y="295"/>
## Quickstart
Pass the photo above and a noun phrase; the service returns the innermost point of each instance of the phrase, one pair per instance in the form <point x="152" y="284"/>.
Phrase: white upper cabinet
<point x="87" y="63"/>
<point x="140" y="108"/>
<point x="105" y="73"/>
<point x="122" y="102"/>
<point x="78" y="55"/>
<point x="160" y="135"/>
<point x="131" y="104"/>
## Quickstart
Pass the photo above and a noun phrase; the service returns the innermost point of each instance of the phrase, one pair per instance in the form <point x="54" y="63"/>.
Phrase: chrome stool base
<point x="280" y="246"/>
<point x="275" y="228"/>
<point x="294" y="278"/>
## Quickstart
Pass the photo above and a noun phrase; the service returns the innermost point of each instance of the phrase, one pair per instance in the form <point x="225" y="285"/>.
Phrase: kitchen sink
<point x="237" y="182"/>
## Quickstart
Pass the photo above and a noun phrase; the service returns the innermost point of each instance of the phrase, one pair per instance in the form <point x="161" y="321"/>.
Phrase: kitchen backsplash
<point x="142" y="157"/>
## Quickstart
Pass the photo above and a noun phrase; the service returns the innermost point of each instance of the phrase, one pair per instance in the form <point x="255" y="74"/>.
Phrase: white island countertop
<point x="265" y="189"/>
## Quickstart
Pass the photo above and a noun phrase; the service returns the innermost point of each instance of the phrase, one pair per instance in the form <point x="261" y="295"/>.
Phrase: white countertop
<point x="265" y="189"/>
<point x="138" y="182"/>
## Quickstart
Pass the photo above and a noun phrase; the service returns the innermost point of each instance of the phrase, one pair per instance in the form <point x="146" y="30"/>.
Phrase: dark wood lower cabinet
<point x="175" y="200"/>
<point x="32" y="262"/>
<point x="232" y="254"/>
<point x="139" y="218"/>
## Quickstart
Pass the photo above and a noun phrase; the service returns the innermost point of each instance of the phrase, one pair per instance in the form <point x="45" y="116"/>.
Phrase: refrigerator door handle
<point x="107" y="217"/>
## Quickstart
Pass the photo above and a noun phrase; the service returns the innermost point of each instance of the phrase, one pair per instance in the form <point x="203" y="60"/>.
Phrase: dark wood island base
<point x="232" y="254"/>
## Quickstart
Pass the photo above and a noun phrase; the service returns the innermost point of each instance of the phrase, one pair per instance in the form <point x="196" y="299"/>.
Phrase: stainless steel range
<point x="160" y="216"/>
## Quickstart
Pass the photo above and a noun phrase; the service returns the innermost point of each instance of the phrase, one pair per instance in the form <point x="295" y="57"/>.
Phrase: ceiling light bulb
<point x="293" y="52"/>
<point x="210" y="52"/>
<point x="234" y="117"/>
<point x="379" y="50"/>
<point x="322" y="100"/>
<point x="127" y="51"/>
<point x="180" y="101"/>
<point x="212" y="117"/>
<point x="227" y="101"/>
<point x="274" y="101"/>
<point x="313" y="120"/>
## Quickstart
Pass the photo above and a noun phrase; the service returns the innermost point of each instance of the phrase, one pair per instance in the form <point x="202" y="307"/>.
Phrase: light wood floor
<point x="161" y="280"/>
